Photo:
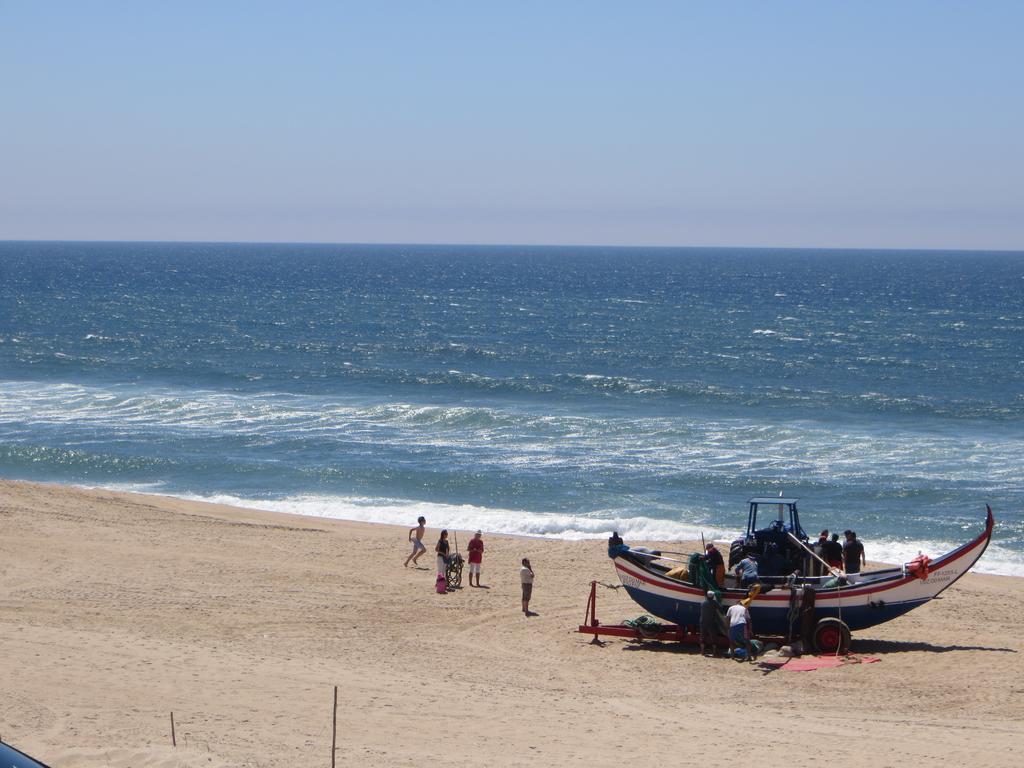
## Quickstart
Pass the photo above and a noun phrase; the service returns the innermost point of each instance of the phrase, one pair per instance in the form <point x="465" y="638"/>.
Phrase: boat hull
<point x="878" y="596"/>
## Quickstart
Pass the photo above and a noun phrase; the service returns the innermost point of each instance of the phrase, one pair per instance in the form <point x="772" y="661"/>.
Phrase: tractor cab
<point x="776" y="553"/>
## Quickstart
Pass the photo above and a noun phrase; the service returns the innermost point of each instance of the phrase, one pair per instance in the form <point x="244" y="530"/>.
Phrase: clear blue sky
<point x="875" y="124"/>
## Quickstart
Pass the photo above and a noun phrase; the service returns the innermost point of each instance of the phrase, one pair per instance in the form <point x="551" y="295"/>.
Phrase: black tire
<point x="831" y="636"/>
<point x="736" y="552"/>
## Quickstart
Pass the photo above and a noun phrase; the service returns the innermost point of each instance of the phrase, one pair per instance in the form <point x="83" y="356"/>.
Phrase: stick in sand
<point x="174" y="742"/>
<point x="334" y="727"/>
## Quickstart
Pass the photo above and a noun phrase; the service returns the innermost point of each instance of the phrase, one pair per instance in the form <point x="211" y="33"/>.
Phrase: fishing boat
<point x="823" y="609"/>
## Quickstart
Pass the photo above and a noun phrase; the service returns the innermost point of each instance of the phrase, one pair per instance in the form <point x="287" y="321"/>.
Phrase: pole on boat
<point x="666" y="559"/>
<point x="670" y="552"/>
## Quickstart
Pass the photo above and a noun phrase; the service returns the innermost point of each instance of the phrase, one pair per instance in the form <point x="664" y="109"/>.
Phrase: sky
<point x="801" y="124"/>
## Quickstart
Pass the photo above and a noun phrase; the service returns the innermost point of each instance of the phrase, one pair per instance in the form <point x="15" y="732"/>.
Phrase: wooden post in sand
<point x="334" y="727"/>
<point x="174" y="741"/>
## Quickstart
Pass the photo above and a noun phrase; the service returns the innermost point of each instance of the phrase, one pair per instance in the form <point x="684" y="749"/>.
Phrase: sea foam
<point x="997" y="559"/>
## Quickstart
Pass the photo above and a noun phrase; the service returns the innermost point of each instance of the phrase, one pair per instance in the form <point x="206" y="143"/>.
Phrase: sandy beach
<point x="117" y="609"/>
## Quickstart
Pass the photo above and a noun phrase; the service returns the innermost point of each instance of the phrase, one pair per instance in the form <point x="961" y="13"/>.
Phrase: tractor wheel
<point x="831" y="636"/>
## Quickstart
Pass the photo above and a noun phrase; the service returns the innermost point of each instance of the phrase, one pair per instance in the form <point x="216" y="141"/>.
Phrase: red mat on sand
<point x="811" y="663"/>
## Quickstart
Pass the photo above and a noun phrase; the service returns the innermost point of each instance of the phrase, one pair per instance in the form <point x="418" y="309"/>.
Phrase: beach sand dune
<point x="117" y="609"/>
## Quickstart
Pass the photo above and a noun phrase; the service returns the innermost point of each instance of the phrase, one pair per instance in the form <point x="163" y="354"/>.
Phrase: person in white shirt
<point x="740" y="629"/>
<point x="526" y="577"/>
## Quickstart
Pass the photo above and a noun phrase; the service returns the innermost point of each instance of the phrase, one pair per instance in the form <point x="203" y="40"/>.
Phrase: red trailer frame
<point x="592" y="626"/>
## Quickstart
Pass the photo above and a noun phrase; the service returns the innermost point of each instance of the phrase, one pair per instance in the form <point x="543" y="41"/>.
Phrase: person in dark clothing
<point x="819" y="547"/>
<point x="712" y="624"/>
<point x="833" y="552"/>
<point x="716" y="564"/>
<point x="442" y="549"/>
<point x="853" y="553"/>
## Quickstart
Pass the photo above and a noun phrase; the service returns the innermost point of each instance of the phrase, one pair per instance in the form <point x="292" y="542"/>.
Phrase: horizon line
<point x="519" y="245"/>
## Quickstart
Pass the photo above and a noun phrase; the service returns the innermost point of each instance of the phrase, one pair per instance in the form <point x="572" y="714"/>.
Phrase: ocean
<point x="561" y="391"/>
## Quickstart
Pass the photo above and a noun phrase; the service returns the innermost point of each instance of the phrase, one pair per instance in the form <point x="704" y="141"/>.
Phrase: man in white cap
<point x="711" y="624"/>
<point x="476" y="558"/>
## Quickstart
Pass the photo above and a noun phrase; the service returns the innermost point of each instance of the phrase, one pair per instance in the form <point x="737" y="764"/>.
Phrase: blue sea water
<point x="556" y="391"/>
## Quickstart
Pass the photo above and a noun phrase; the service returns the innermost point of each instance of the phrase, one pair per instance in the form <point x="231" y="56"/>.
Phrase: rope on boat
<point x="835" y="572"/>
<point x="839" y="609"/>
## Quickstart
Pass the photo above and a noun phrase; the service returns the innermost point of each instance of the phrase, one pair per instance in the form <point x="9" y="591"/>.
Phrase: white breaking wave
<point x="461" y="516"/>
<point x="997" y="559"/>
<point x="471" y="517"/>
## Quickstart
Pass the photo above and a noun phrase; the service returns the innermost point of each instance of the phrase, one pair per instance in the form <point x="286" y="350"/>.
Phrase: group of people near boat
<point x="848" y="557"/>
<point x="735" y="623"/>
<point x="745" y="569"/>
<point x="476" y="557"/>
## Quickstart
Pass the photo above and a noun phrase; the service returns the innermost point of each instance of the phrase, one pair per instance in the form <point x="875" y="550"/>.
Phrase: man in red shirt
<point x="476" y="557"/>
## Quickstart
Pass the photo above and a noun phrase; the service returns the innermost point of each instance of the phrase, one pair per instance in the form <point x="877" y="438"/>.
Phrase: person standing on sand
<point x="853" y="553"/>
<point x="442" y="548"/>
<point x="417" y="544"/>
<point x="526" y="578"/>
<point x="711" y="624"/>
<point x="476" y="557"/>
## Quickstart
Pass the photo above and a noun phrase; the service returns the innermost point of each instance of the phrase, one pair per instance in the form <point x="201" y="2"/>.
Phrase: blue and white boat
<point x="828" y="607"/>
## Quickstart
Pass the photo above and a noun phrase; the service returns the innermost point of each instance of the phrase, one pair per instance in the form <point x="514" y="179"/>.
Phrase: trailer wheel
<point x="831" y="636"/>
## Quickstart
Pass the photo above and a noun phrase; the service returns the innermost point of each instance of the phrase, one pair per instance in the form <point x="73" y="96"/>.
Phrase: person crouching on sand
<point x="740" y="629"/>
<point x="526" y="577"/>
<point x="476" y="557"/>
<point x="417" y="544"/>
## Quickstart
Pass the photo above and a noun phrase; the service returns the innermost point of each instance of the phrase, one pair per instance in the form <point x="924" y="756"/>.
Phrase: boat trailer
<point x="592" y="626"/>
